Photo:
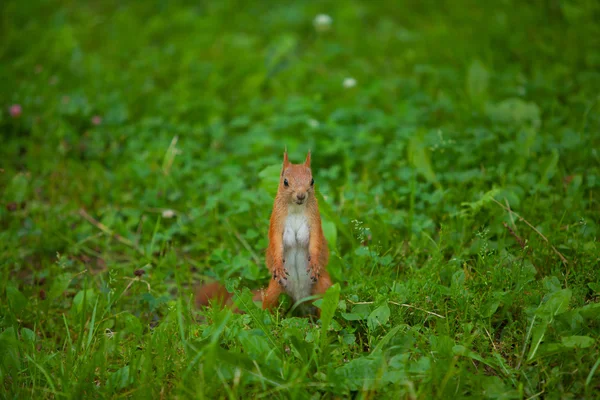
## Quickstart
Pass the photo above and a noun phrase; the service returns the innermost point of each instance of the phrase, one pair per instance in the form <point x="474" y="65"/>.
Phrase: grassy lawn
<point x="456" y="154"/>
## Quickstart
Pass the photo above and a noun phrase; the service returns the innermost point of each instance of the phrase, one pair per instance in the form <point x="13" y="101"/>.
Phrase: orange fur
<point x="299" y="192"/>
<point x="216" y="294"/>
<point x="299" y="178"/>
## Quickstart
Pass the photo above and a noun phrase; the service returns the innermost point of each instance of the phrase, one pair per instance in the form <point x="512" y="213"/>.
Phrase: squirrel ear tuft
<point x="307" y="162"/>
<point x="286" y="161"/>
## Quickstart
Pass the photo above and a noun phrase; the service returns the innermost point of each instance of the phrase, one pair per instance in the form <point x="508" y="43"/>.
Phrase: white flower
<point x="322" y="22"/>
<point x="313" y="123"/>
<point x="349" y="83"/>
<point x="168" y="213"/>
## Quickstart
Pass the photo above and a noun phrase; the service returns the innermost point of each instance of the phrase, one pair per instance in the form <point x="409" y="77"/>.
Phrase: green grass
<point x="460" y="184"/>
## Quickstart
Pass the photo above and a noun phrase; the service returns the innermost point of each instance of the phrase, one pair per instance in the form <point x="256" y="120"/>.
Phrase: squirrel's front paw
<point x="313" y="270"/>
<point x="280" y="275"/>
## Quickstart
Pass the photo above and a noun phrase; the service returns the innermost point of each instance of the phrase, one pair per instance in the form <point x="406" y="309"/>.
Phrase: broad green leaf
<point x="90" y="298"/>
<point x="352" y="317"/>
<point x="361" y="373"/>
<point x="300" y="347"/>
<point x="28" y="336"/>
<point x="495" y="388"/>
<point x="257" y="347"/>
<point x="120" y="378"/>
<point x="538" y="334"/>
<point x="590" y="311"/>
<point x="379" y="317"/>
<point x="577" y="341"/>
<point x="421" y="367"/>
<point x="547" y="349"/>
<point x="9" y="349"/>
<point x="59" y="284"/>
<point x="490" y="307"/>
<point x="15" y="298"/>
<point x="557" y="303"/>
<point x="359" y="312"/>
<point x="551" y="284"/>
<point x="594" y="286"/>
<point x="328" y="306"/>
<point x="362" y="310"/>
<point x="349" y="338"/>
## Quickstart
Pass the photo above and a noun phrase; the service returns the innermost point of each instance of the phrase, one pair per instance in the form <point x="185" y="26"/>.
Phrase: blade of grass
<point x="588" y="380"/>
<point x="46" y="375"/>
<point x="92" y="327"/>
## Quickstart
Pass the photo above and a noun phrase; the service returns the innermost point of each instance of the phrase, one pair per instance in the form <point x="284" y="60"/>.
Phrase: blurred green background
<point x="456" y="154"/>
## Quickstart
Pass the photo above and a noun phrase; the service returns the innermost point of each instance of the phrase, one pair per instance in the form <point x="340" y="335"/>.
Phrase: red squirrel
<point x="297" y="254"/>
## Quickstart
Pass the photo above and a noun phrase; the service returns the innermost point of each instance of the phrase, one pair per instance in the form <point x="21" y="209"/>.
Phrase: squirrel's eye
<point x="312" y="182"/>
<point x="285" y="182"/>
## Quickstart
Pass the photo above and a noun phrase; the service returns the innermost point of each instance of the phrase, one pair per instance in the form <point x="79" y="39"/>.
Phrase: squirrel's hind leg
<point x="324" y="282"/>
<point x="271" y="295"/>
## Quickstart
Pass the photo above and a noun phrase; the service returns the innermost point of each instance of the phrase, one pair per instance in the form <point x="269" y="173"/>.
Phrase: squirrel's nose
<point x="301" y="196"/>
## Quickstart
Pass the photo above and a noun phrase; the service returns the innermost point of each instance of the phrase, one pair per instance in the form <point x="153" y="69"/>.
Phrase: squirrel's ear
<point x="307" y="162"/>
<point x="286" y="161"/>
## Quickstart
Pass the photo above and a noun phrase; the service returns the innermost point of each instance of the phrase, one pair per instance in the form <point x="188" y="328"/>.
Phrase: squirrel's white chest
<point x="296" y="232"/>
<point x="296" y="235"/>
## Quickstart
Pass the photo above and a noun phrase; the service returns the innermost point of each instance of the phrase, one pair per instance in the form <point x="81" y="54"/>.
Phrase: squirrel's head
<point x="296" y="183"/>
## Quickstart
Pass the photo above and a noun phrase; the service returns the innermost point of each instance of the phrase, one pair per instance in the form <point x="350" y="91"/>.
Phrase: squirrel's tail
<point x="216" y="294"/>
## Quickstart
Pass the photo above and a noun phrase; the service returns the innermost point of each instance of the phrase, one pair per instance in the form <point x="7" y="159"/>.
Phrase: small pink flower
<point x="15" y="110"/>
<point x="96" y="120"/>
